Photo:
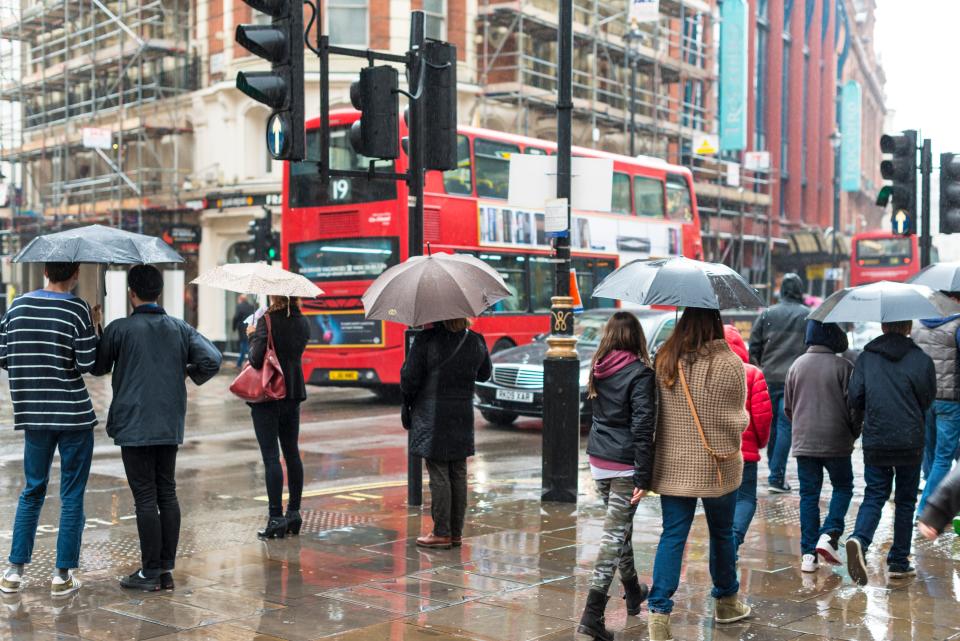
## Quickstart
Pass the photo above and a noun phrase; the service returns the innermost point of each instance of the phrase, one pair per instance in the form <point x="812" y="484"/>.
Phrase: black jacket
<point x="150" y="354"/>
<point x="777" y="338"/>
<point x="290" y="336"/>
<point x="625" y="420"/>
<point x="944" y="503"/>
<point x="438" y="385"/>
<point x="240" y="314"/>
<point x="892" y="385"/>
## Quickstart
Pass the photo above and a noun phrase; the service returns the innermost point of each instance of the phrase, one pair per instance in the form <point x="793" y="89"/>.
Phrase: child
<point x="823" y="436"/>
<point x="893" y="384"/>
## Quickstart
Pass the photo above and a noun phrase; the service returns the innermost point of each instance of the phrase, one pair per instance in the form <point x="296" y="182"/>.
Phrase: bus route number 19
<point x="340" y="189"/>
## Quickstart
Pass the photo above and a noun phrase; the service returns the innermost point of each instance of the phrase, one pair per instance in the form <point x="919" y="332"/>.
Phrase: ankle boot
<point x="592" y="623"/>
<point x="635" y="594"/>
<point x="658" y="627"/>
<point x="276" y="528"/>
<point x="294" y="521"/>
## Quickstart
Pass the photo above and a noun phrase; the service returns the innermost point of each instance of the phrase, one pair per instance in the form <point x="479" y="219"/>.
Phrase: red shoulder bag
<point x="264" y="384"/>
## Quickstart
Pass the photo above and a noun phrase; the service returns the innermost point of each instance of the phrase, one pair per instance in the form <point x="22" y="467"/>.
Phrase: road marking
<point x="356" y="490"/>
<point x="349" y="498"/>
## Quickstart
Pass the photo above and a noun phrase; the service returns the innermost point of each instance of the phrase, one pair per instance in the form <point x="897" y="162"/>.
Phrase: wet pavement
<point x="355" y="573"/>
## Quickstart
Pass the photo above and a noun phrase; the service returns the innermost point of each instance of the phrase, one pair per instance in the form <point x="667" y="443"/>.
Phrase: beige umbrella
<point x="428" y="289"/>
<point x="258" y="278"/>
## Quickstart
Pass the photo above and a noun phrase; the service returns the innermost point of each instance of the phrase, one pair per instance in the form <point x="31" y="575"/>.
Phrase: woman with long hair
<point x="277" y="423"/>
<point x="702" y="398"/>
<point x="622" y="387"/>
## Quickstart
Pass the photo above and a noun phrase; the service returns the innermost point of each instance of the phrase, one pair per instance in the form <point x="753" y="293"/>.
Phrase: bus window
<point x="344" y="258"/>
<point x="621" y="194"/>
<point x="460" y="180"/>
<point x="513" y="269"/>
<point x="306" y="189"/>
<point x="493" y="167"/>
<point x="884" y="252"/>
<point x="679" y="204"/>
<point x="590" y="271"/>
<point x="542" y="277"/>
<point x="648" y="196"/>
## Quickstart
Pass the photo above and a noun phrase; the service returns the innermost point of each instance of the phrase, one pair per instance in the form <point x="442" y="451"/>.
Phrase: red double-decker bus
<point x="344" y="234"/>
<point x="882" y="255"/>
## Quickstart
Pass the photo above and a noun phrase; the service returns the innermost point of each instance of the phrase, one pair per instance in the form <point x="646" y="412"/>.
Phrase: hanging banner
<point x="850" y="119"/>
<point x="644" y="11"/>
<point x="733" y="75"/>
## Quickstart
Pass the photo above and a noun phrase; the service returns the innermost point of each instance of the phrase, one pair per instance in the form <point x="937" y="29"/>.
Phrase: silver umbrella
<point x="428" y="289"/>
<point x="679" y="282"/>
<point x="98" y="244"/>
<point x="258" y="278"/>
<point x="884" y="302"/>
<point x="944" y="277"/>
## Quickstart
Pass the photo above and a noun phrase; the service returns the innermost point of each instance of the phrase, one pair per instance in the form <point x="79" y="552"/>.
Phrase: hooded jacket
<point x="758" y="400"/>
<point x="624" y="415"/>
<point x="777" y="338"/>
<point x="892" y="385"/>
<point x="815" y="397"/>
<point x="939" y="338"/>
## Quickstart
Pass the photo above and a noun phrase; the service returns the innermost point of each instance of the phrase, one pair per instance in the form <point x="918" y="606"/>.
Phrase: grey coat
<point x="815" y="400"/>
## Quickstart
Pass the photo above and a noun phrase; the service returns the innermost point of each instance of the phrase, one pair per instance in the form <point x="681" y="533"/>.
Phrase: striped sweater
<point x="47" y="340"/>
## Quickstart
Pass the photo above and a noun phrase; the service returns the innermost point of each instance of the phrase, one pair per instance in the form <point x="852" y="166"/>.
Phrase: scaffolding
<point x="94" y="107"/>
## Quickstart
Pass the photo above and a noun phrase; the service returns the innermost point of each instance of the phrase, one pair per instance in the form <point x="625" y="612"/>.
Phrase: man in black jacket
<point x="892" y="385"/>
<point x="777" y="339"/>
<point x="151" y="354"/>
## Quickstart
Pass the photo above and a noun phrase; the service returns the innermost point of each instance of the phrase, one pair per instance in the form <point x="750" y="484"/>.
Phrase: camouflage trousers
<point x="616" y="546"/>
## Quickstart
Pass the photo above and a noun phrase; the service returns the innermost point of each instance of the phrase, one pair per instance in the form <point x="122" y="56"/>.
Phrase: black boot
<point x="294" y="521"/>
<point x="276" y="528"/>
<point x="591" y="623"/>
<point x="635" y="594"/>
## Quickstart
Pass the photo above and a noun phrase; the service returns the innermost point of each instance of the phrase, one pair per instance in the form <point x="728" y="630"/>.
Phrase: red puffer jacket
<point x="758" y="400"/>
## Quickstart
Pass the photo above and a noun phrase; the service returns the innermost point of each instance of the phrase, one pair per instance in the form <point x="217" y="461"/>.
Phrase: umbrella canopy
<point x="884" y="302"/>
<point x="944" y="277"/>
<point x="428" y="289"/>
<point x="98" y="244"/>
<point x="258" y="278"/>
<point x="679" y="282"/>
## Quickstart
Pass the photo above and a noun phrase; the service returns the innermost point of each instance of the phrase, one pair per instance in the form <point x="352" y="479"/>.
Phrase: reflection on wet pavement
<point x="355" y="573"/>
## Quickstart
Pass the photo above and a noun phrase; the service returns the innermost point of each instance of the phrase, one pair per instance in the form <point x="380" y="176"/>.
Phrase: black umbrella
<point x="97" y="244"/>
<point x="944" y="277"/>
<point x="679" y="282"/>
<point x="884" y="302"/>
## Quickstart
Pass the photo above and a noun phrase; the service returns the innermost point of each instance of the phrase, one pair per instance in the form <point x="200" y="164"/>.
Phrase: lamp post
<point x="835" y="139"/>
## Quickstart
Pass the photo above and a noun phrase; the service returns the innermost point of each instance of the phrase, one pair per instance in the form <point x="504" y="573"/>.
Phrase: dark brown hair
<point x="696" y="328"/>
<point x="897" y="327"/>
<point x="60" y="272"/>
<point x="283" y="304"/>
<point x="622" y="332"/>
<point x="456" y="325"/>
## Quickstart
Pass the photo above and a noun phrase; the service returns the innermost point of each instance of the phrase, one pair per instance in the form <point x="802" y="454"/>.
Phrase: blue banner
<point x="850" y="143"/>
<point x="734" y="77"/>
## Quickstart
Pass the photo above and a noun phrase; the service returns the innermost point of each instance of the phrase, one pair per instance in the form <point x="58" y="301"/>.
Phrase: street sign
<point x="533" y="181"/>
<point x="756" y="160"/>
<point x="643" y="11"/>
<point x="277" y="128"/>
<point x="706" y="145"/>
<point x="97" y="138"/>
<point x="733" y="174"/>
<point x="901" y="223"/>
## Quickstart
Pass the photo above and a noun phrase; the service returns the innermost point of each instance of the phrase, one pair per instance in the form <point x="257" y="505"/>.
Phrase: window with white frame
<point x="348" y="22"/>
<point x="436" y="19"/>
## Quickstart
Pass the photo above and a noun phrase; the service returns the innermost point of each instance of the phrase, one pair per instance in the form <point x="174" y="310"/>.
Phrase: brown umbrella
<point x="428" y="289"/>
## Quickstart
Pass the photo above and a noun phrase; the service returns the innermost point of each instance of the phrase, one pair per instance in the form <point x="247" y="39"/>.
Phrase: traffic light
<point x="264" y="243"/>
<point x="272" y="249"/>
<point x="281" y="88"/>
<point x="440" y="106"/>
<point x="901" y="169"/>
<point x="949" y="193"/>
<point x="377" y="133"/>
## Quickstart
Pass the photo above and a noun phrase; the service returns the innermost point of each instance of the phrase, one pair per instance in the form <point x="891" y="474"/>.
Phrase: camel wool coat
<point x="682" y="465"/>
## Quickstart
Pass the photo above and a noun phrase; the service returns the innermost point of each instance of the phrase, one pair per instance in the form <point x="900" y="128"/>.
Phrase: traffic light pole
<point x="561" y="368"/>
<point x="926" y="168"/>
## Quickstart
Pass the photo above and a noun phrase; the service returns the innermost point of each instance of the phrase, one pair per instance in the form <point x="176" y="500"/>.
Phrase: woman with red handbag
<point x="280" y="336"/>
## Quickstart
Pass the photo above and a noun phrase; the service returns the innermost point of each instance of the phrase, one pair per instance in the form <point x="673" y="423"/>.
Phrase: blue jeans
<point x="929" y="441"/>
<point x="810" y="472"/>
<point x="76" y="452"/>
<point x="948" y="436"/>
<point x="880" y="480"/>
<point x="746" y="503"/>
<point x="678" y="512"/>
<point x="243" y="348"/>
<point x="778" y="454"/>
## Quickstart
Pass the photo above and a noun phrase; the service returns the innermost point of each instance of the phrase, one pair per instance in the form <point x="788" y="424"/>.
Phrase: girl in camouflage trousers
<point x="622" y="387"/>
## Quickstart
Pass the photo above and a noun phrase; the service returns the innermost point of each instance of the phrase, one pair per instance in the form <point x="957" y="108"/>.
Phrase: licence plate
<point x="344" y="375"/>
<point x="513" y="395"/>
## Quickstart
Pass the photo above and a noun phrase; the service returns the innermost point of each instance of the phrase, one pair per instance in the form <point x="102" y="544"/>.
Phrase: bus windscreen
<point x="344" y="259"/>
<point x="884" y="252"/>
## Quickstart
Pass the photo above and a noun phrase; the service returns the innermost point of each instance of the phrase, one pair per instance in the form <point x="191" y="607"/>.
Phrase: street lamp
<point x="835" y="139"/>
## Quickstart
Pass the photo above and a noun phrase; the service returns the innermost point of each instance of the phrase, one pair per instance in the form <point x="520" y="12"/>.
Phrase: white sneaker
<point x="63" y="587"/>
<point x="809" y="563"/>
<point x="828" y="551"/>
<point x="10" y="583"/>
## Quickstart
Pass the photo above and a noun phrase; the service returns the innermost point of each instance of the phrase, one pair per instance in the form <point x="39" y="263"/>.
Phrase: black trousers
<point x="151" y="473"/>
<point x="277" y="425"/>
<point x="448" y="496"/>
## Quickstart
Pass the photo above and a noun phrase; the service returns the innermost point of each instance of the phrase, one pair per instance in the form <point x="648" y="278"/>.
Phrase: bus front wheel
<point x="498" y="418"/>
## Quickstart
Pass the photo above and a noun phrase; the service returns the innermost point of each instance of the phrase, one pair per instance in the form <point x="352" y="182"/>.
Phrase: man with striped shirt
<point x="48" y="339"/>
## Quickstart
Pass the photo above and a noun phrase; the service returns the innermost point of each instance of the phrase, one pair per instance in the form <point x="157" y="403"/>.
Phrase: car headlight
<point x="584" y="376"/>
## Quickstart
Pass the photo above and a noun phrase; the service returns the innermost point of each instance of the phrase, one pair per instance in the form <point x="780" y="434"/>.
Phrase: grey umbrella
<point x="97" y="244"/>
<point x="884" y="302"/>
<point x="427" y="289"/>
<point x="944" y="277"/>
<point x="679" y="282"/>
